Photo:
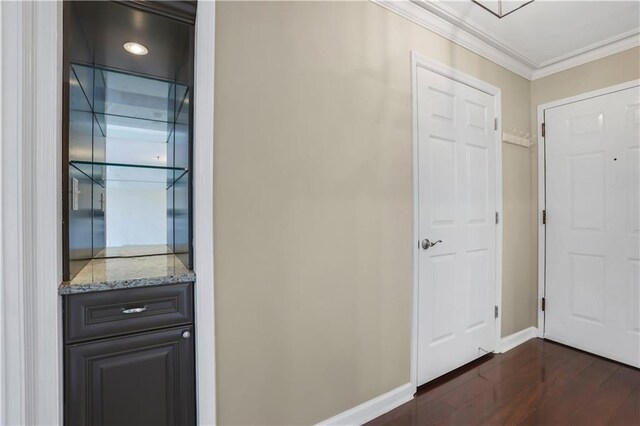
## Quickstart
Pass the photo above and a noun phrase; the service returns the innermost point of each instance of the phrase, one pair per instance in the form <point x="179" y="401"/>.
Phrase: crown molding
<point x="589" y="54"/>
<point x="459" y="21"/>
<point x="449" y="24"/>
<point x="446" y="29"/>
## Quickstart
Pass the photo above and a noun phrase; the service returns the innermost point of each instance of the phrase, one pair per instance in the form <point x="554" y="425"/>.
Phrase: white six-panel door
<point x="592" y="152"/>
<point x="457" y="205"/>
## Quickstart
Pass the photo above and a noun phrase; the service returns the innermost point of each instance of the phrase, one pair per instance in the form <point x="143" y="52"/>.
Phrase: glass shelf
<point x="134" y="251"/>
<point x="108" y="174"/>
<point x="132" y="128"/>
<point x="129" y="96"/>
<point x="129" y="107"/>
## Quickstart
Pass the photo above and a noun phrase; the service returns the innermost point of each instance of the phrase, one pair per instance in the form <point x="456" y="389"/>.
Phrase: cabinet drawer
<point x="111" y="313"/>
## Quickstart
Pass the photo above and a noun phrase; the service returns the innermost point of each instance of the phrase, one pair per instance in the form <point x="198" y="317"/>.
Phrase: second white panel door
<point x="457" y="206"/>
<point x="593" y="225"/>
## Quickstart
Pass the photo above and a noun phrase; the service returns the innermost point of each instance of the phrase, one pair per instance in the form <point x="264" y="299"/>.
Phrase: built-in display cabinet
<point x="128" y="167"/>
<point x="127" y="254"/>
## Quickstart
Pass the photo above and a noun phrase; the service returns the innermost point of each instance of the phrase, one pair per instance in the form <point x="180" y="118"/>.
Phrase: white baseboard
<point x="382" y="404"/>
<point x="515" y="339"/>
<point x="373" y="408"/>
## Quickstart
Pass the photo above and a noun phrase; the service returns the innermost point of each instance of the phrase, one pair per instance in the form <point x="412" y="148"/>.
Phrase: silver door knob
<point x="186" y="335"/>
<point x="426" y="244"/>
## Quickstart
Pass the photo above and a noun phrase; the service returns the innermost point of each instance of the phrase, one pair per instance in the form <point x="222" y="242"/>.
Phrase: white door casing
<point x="592" y="155"/>
<point x="30" y="202"/>
<point x="203" y="142"/>
<point x="456" y="199"/>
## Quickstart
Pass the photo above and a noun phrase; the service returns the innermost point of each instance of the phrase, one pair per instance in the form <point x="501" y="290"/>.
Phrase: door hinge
<point x="495" y="312"/>
<point x="495" y="123"/>
<point x="544" y="217"/>
<point x="497" y="218"/>
<point x="544" y="304"/>
<point x="543" y="130"/>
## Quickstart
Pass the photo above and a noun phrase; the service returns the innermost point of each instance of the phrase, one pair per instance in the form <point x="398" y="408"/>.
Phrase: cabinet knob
<point x="186" y="335"/>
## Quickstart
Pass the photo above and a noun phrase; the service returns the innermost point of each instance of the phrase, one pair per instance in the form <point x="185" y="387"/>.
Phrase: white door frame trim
<point x="542" y="179"/>
<point x="31" y="347"/>
<point x="203" y="212"/>
<point x="30" y="213"/>
<point x="418" y="60"/>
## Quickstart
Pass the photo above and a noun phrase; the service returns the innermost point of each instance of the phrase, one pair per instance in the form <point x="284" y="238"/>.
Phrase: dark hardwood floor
<point x="536" y="383"/>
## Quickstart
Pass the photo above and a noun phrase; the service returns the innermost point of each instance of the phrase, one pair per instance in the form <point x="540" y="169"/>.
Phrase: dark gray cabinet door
<point x="142" y="379"/>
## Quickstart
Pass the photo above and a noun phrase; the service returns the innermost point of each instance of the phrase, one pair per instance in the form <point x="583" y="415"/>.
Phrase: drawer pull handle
<point x="134" y="310"/>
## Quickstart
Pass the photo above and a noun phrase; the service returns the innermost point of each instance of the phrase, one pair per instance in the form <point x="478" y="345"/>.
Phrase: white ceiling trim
<point x="448" y="23"/>
<point x="460" y="21"/>
<point x="623" y="39"/>
<point x="589" y="54"/>
<point x="442" y="27"/>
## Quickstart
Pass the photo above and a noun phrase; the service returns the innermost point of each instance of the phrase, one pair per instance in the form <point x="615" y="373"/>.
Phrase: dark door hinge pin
<point x="544" y="304"/>
<point x="544" y="217"/>
<point x="543" y="130"/>
<point x="495" y="312"/>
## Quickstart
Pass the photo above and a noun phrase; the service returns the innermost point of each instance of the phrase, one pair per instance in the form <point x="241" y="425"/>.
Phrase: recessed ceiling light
<point x="135" y="48"/>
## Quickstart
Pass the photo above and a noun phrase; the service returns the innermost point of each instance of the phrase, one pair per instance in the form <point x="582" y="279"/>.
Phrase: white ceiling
<point x="545" y="32"/>
<point x="541" y="38"/>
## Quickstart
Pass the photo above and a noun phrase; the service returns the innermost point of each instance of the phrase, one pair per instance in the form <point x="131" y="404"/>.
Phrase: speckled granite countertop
<point x="127" y="272"/>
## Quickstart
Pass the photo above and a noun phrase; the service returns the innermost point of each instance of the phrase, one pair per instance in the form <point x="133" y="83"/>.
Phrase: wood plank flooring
<point x="536" y="383"/>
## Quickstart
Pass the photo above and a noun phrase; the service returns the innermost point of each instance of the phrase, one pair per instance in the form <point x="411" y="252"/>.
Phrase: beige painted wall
<point x="312" y="184"/>
<point x="614" y="69"/>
